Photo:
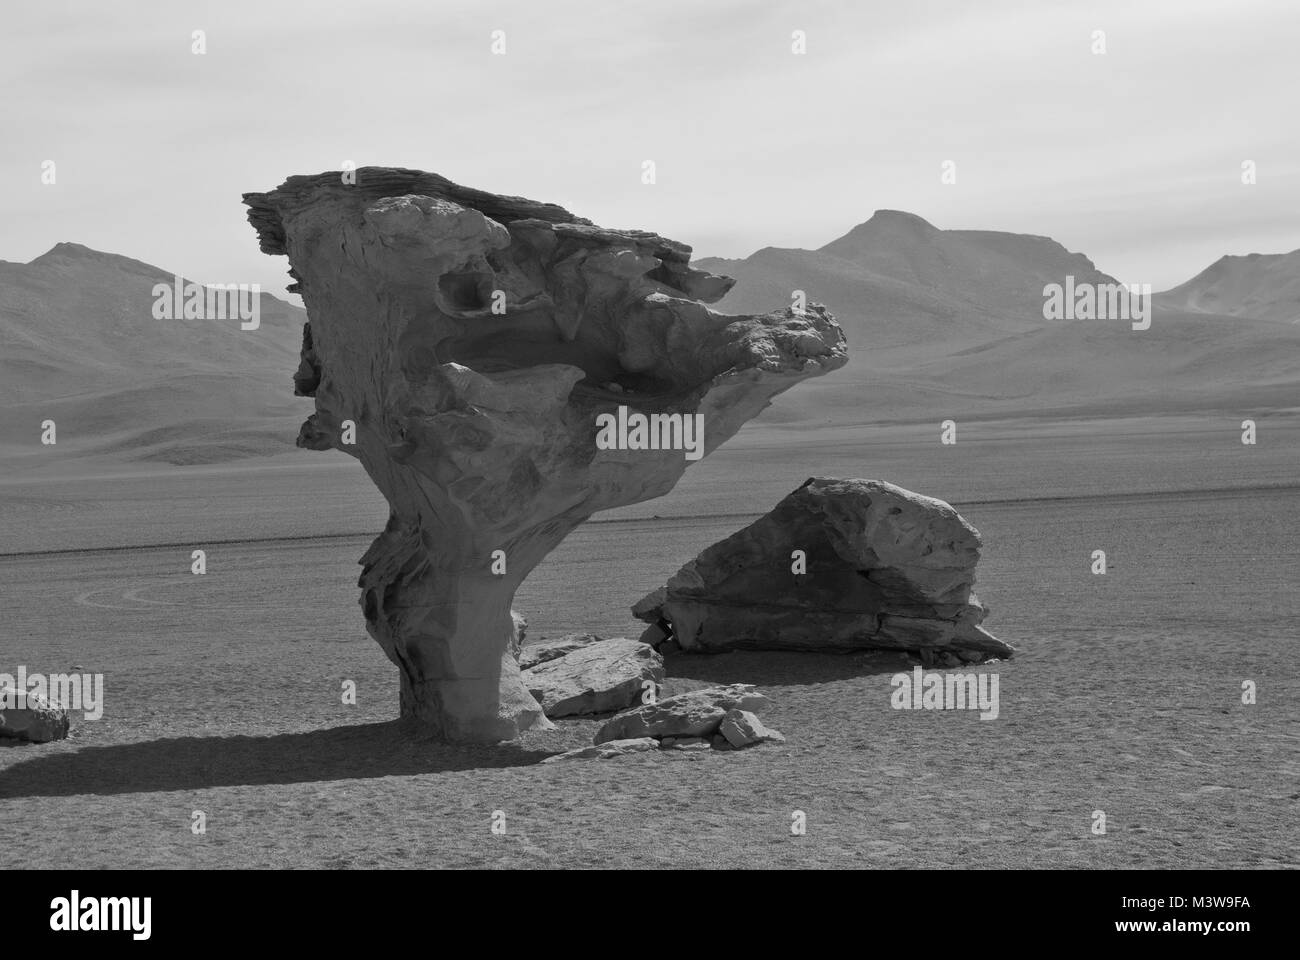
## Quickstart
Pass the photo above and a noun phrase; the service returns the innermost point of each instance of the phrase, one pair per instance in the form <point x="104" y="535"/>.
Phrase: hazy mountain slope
<point x="1223" y="366"/>
<point x="941" y="324"/>
<point x="1260" y="286"/>
<point x="79" y="344"/>
<point x="949" y="323"/>
<point x="901" y="286"/>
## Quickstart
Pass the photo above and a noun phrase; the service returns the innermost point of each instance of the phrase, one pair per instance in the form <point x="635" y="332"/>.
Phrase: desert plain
<point x="223" y="691"/>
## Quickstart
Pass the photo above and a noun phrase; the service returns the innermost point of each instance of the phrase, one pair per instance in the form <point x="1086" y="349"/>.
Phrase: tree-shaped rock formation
<point x="473" y="341"/>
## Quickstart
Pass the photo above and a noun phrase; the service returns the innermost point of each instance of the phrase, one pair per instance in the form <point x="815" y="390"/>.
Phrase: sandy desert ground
<point x="223" y="691"/>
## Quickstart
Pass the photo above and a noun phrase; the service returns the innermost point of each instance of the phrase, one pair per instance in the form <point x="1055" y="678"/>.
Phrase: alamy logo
<point x="72" y="691"/>
<point x="656" y="431"/>
<point x="214" y="301"/>
<point x="70" y="914"/>
<point x="951" y="691"/>
<point x="1098" y="301"/>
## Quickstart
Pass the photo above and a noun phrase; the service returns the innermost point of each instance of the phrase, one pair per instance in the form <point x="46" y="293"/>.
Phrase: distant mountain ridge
<point x="948" y="322"/>
<point x="898" y="282"/>
<point x="1258" y="285"/>
<point x="79" y="344"/>
<point x="940" y="323"/>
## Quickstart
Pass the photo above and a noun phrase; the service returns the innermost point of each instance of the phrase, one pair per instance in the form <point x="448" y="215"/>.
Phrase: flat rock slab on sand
<point x="684" y="743"/>
<point x="544" y="650"/>
<point x="595" y="678"/>
<point x="607" y="751"/>
<point x="697" y="713"/>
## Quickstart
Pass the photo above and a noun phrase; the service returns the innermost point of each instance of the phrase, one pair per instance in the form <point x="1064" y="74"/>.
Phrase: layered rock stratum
<point x="836" y="565"/>
<point x="471" y="341"/>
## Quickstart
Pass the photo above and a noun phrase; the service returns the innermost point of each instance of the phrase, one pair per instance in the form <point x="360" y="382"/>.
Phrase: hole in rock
<point x="530" y="340"/>
<point x="662" y="274"/>
<point x="466" y="291"/>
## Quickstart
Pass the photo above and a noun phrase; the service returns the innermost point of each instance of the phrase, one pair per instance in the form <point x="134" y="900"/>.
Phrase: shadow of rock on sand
<point x="782" y="668"/>
<point x="350" y="752"/>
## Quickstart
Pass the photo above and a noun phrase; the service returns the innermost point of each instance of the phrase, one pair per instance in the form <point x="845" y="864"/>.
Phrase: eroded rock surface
<point x="740" y="728"/>
<point x="472" y="340"/>
<point x="31" y="718"/>
<point x="684" y="743"/>
<point x="518" y="634"/>
<point x="595" y="678"/>
<point x="885" y="568"/>
<point x="607" y="751"/>
<point x="697" y="713"/>
<point x="544" y="650"/>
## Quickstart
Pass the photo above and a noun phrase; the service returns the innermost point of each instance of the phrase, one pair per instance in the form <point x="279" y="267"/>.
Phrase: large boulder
<point x="503" y="370"/>
<point x="697" y="713"/>
<point x="595" y="678"/>
<point x="877" y="567"/>
<point x="31" y="718"/>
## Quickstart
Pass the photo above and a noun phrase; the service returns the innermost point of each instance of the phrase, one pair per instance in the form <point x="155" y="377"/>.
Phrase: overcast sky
<point x="1133" y="157"/>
